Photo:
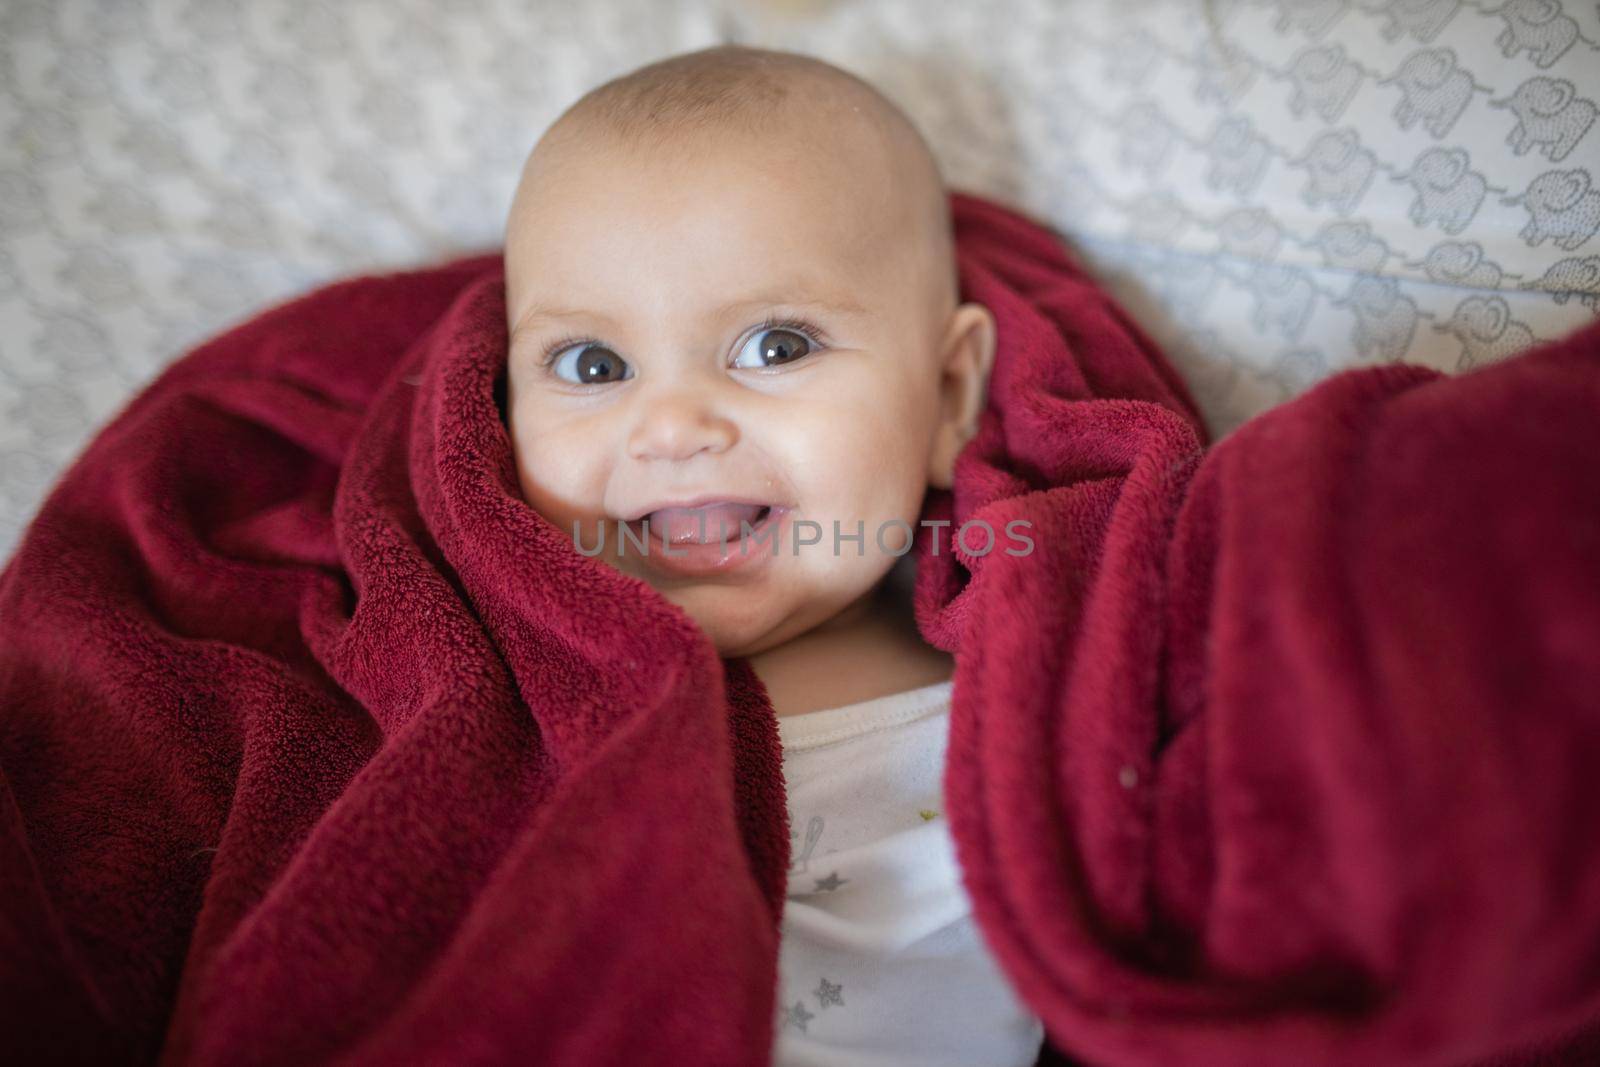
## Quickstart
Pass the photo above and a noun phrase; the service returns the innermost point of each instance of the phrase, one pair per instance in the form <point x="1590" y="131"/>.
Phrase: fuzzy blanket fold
<point x="318" y="745"/>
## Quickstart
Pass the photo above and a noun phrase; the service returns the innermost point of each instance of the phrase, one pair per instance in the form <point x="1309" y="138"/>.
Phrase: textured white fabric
<point x="880" y="962"/>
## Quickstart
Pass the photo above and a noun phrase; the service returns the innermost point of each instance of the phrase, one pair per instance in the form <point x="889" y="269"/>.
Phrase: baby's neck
<point x="872" y="649"/>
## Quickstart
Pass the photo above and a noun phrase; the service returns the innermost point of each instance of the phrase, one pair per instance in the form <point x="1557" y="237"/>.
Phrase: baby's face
<point x="643" y="370"/>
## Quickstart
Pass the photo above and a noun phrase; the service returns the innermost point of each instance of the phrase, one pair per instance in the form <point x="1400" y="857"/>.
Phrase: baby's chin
<point x="738" y="620"/>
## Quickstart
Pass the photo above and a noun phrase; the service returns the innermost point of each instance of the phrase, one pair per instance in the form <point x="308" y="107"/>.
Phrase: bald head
<point x="739" y="94"/>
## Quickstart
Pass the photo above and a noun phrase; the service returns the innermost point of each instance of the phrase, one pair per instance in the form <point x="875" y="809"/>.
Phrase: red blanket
<point x="317" y="744"/>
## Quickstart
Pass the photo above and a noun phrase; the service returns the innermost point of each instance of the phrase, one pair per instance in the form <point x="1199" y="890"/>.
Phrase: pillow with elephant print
<point x="1285" y="188"/>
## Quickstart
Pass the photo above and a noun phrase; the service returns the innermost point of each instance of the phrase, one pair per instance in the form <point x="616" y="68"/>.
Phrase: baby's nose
<point x="679" y="425"/>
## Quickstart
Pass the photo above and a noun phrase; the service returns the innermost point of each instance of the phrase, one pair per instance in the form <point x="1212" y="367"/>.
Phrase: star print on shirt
<point x="797" y="1016"/>
<point x="830" y="883"/>
<point x="829" y="993"/>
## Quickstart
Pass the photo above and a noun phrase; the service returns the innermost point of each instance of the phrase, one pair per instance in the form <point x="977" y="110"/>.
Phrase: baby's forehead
<point x="794" y="196"/>
<point x="859" y="152"/>
<point x="833" y="175"/>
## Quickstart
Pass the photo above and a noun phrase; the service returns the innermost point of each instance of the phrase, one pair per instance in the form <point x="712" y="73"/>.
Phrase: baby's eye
<point x="775" y="345"/>
<point x="589" y="363"/>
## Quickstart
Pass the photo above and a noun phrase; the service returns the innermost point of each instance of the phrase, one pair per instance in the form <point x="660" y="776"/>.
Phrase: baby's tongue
<point x="719" y="521"/>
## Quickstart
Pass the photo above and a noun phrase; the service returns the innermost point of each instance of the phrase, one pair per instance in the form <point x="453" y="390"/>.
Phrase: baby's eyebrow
<point x="840" y="304"/>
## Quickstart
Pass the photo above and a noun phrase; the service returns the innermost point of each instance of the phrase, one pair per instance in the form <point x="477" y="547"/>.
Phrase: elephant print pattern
<point x="1379" y="180"/>
<point x="1486" y="330"/>
<point x="1434" y="91"/>
<point x="1563" y="206"/>
<point x="1551" y="117"/>
<point x="1448" y="191"/>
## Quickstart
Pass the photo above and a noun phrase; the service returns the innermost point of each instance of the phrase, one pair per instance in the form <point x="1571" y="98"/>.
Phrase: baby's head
<point x="730" y="275"/>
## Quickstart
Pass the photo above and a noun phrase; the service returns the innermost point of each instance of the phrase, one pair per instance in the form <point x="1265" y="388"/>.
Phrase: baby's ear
<point x="966" y="356"/>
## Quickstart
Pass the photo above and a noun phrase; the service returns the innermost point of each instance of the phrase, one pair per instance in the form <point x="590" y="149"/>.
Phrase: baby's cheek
<point x="554" y="472"/>
<point x="829" y="447"/>
<point x="873" y="465"/>
<point x="894" y="433"/>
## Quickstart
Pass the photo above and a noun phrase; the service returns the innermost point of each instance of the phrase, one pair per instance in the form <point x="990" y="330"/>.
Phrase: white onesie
<point x="880" y="962"/>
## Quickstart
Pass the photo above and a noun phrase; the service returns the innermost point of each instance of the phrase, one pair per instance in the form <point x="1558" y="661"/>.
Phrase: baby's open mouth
<point x="707" y="524"/>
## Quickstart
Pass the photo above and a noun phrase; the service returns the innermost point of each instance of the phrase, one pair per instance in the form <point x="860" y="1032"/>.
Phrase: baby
<point x="737" y="362"/>
<point x="730" y="277"/>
